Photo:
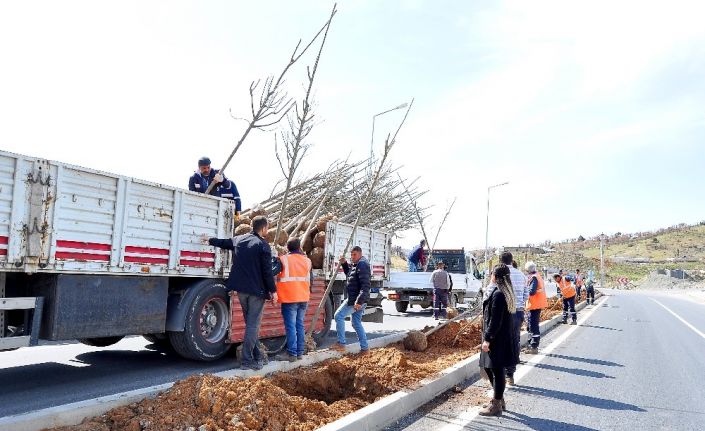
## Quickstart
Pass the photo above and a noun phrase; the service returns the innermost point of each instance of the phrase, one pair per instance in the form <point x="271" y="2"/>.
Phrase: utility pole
<point x="487" y="232"/>
<point x="602" y="260"/>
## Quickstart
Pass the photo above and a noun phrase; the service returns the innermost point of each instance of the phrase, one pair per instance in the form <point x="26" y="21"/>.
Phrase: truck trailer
<point x="93" y="256"/>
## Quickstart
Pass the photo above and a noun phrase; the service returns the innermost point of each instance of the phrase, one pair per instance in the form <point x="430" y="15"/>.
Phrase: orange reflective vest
<point x="538" y="300"/>
<point x="294" y="280"/>
<point x="567" y="289"/>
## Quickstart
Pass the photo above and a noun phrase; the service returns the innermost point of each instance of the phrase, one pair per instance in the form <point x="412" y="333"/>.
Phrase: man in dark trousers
<point x="358" y="293"/>
<point x="252" y="278"/>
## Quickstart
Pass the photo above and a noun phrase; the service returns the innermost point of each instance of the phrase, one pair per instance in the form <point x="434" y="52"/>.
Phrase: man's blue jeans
<point x="413" y="267"/>
<point x="293" y="314"/>
<point x="252" y="306"/>
<point x="344" y="311"/>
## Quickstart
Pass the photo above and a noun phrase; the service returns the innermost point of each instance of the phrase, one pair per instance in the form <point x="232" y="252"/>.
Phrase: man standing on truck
<point x="224" y="188"/>
<point x="357" y="292"/>
<point x="251" y="277"/>
<point x="417" y="258"/>
<point x="521" y="291"/>
<point x="441" y="285"/>
<point x="294" y="283"/>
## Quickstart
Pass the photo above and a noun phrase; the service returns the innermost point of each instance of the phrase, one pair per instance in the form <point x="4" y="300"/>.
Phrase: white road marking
<point x="464" y="418"/>
<point x="680" y="318"/>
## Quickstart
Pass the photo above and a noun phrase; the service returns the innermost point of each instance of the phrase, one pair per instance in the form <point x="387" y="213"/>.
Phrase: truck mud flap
<point x="374" y="315"/>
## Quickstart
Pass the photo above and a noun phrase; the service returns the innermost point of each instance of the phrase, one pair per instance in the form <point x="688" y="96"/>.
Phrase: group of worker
<point x="258" y="277"/>
<point x="510" y="294"/>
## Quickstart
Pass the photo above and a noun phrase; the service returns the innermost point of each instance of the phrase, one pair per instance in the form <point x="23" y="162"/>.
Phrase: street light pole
<point x="487" y="230"/>
<point x="372" y="140"/>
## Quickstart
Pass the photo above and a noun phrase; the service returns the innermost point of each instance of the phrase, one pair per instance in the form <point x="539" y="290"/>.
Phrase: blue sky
<point x="594" y="112"/>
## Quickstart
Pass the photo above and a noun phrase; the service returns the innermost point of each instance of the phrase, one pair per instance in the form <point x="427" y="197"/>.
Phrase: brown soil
<point x="303" y="399"/>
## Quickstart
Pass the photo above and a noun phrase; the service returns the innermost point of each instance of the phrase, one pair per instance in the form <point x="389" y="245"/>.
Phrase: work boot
<point x="284" y="357"/>
<point x="487" y="404"/>
<point x="574" y="322"/>
<point x="532" y="351"/>
<point x="510" y="380"/>
<point x="493" y="409"/>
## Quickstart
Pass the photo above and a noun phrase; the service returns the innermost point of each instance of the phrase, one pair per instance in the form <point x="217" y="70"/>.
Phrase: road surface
<point x="636" y="363"/>
<point x="46" y="376"/>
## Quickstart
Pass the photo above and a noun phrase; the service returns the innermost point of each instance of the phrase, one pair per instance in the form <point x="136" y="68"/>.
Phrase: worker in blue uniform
<point x="224" y="187"/>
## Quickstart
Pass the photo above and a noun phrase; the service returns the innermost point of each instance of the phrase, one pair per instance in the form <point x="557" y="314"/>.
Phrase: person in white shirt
<point x="521" y="290"/>
<point x="441" y="285"/>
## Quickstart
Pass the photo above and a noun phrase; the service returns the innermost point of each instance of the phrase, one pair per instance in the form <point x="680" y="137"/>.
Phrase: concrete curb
<point x="74" y="413"/>
<point x="390" y="409"/>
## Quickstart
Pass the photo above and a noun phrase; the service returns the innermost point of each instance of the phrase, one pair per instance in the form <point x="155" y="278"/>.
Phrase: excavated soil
<point x="298" y="400"/>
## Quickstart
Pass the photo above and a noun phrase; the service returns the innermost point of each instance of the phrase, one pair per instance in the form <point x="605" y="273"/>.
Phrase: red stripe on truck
<point x="3" y="239"/>
<point x="146" y="250"/>
<point x="3" y="252"/>
<point x="196" y="263"/>
<point x="201" y="254"/>
<point x="150" y="260"/>
<point x="70" y="255"/>
<point x="83" y="245"/>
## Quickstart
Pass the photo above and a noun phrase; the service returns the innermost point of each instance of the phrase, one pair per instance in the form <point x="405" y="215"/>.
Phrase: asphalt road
<point x="50" y="375"/>
<point x="631" y="365"/>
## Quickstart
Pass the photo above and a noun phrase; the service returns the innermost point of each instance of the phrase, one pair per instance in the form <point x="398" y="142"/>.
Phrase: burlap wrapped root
<point x="243" y="229"/>
<point x="316" y="257"/>
<point x="320" y="240"/>
<point x="283" y="236"/>
<point x="307" y="240"/>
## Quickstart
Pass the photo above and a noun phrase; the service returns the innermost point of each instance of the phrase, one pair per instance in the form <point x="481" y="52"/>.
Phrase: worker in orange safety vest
<point x="534" y="304"/>
<point x="294" y="283"/>
<point x="567" y="292"/>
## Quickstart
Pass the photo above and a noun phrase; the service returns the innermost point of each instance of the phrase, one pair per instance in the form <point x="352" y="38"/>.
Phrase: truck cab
<point x="407" y="289"/>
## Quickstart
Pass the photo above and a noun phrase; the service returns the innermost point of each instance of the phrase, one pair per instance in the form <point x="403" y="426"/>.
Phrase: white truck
<point x="407" y="289"/>
<point x="95" y="256"/>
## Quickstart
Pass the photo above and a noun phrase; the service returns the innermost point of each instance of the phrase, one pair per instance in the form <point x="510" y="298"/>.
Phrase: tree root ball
<point x="244" y="220"/>
<point x="451" y="312"/>
<point x="416" y="341"/>
<point x="243" y="229"/>
<point x="323" y="222"/>
<point x="317" y="256"/>
<point x="307" y="240"/>
<point x="283" y="236"/>
<point x="257" y="210"/>
<point x="320" y="240"/>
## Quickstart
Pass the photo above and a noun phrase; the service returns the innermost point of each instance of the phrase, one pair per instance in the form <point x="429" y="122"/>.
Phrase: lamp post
<point x="487" y="229"/>
<point x="372" y="141"/>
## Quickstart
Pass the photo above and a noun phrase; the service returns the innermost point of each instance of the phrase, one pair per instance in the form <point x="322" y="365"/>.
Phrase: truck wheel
<point x="401" y="306"/>
<point x="100" y="342"/>
<point x="206" y="324"/>
<point x="319" y="336"/>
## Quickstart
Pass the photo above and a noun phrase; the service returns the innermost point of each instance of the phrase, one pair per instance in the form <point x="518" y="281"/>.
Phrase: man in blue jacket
<point x="206" y="175"/>
<point x="417" y="258"/>
<point x="252" y="278"/>
<point x="357" y="294"/>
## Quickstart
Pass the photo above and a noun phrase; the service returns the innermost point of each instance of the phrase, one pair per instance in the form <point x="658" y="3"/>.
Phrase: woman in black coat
<point x="499" y="339"/>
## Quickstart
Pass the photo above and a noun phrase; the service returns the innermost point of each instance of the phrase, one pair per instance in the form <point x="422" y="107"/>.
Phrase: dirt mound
<point x="465" y="333"/>
<point x="661" y="281"/>
<point x="302" y="399"/>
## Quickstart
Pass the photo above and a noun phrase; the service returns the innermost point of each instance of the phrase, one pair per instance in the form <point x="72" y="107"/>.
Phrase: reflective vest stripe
<point x="285" y="279"/>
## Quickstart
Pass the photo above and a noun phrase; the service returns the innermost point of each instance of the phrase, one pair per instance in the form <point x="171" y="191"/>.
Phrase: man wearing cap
<point x="206" y="175"/>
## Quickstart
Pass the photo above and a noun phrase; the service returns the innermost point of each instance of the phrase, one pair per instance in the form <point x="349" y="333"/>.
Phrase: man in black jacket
<point x="357" y="294"/>
<point x="252" y="278"/>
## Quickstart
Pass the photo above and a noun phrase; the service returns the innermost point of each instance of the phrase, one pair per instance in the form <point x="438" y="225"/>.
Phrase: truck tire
<point x="319" y="336"/>
<point x="101" y="342"/>
<point x="401" y="306"/>
<point x="205" y="333"/>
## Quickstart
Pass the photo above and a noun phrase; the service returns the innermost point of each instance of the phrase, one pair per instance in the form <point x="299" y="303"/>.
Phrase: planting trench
<point x="298" y="400"/>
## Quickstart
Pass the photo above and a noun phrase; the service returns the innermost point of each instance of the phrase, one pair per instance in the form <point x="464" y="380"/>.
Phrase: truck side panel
<point x="87" y="306"/>
<point x="374" y="244"/>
